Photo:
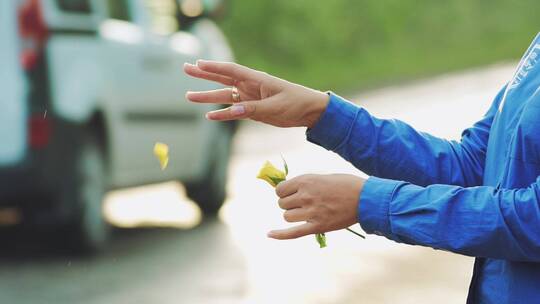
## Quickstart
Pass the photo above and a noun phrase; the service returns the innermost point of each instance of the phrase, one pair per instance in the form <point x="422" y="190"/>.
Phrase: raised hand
<point x="260" y="97"/>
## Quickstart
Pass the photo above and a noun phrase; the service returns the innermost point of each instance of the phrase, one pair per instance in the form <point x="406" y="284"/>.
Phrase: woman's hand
<point x="324" y="202"/>
<point x="262" y="97"/>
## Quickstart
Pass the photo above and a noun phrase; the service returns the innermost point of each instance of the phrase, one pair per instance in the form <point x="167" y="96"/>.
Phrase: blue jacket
<point x="479" y="196"/>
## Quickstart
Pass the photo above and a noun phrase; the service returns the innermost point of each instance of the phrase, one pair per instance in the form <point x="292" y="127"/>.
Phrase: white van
<point x="86" y="89"/>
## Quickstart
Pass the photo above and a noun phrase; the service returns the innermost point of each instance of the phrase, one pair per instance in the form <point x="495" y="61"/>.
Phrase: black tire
<point x="210" y="191"/>
<point x="82" y="195"/>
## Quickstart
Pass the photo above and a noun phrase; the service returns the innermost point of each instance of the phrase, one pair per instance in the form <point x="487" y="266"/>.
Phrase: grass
<point x="347" y="45"/>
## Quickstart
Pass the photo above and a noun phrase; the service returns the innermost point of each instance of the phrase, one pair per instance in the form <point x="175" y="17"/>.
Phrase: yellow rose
<point x="271" y="174"/>
<point x="161" y="151"/>
<point x="274" y="176"/>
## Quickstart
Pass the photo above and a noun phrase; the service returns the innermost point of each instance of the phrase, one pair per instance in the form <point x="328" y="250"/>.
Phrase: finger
<point x="195" y="71"/>
<point x="296" y="215"/>
<point x="259" y="109"/>
<point x="228" y="69"/>
<point x="221" y="96"/>
<point x="289" y="202"/>
<point x="287" y="188"/>
<point x="237" y="111"/>
<point x="293" y="232"/>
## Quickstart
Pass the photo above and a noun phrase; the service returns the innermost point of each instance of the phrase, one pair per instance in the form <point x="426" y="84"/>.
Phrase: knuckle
<point x="308" y="176"/>
<point x="306" y="180"/>
<point x="317" y="227"/>
<point x="281" y="203"/>
<point x="302" y="182"/>
<point x="279" y="189"/>
<point x="263" y="76"/>
<point x="306" y="198"/>
<point x="295" y="234"/>
<point x="287" y="216"/>
<point x="305" y="232"/>
<point x="313" y="215"/>
<point x="235" y="67"/>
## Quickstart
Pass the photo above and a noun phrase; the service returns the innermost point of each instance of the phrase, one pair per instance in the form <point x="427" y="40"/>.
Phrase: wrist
<point x="316" y="109"/>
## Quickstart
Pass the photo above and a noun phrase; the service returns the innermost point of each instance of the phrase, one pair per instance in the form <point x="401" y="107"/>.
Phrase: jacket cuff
<point x="335" y="124"/>
<point x="374" y="206"/>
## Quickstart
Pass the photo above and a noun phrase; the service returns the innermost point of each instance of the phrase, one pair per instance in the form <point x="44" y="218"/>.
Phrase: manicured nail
<point x="237" y="110"/>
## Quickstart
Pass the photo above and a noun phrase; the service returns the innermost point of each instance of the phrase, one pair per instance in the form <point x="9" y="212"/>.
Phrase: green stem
<point x="352" y="231"/>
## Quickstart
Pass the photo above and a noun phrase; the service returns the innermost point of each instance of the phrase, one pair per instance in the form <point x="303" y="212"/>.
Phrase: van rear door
<point x="13" y="107"/>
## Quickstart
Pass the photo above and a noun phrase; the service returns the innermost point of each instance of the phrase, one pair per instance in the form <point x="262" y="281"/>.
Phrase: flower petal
<point x="271" y="174"/>
<point x="161" y="151"/>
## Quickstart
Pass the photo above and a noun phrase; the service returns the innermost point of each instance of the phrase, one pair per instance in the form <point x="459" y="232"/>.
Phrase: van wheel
<point x="86" y="227"/>
<point x="210" y="192"/>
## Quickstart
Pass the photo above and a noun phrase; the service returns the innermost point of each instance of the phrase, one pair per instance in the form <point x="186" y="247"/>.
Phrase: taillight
<point x="34" y="32"/>
<point x="39" y="129"/>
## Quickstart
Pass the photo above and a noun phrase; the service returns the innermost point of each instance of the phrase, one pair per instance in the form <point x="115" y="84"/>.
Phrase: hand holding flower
<point x="274" y="176"/>
<point x="324" y="202"/>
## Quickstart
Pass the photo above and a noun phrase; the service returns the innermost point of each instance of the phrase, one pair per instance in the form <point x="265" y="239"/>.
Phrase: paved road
<point x="230" y="260"/>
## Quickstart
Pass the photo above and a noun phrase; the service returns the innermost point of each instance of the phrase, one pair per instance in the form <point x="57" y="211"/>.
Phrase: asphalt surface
<point x="163" y="253"/>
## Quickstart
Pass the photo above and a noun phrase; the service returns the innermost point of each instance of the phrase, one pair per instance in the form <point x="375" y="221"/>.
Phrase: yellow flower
<point x="274" y="176"/>
<point x="161" y="151"/>
<point x="271" y="174"/>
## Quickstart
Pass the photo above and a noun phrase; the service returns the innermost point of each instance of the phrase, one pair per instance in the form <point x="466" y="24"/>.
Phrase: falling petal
<point x="161" y="151"/>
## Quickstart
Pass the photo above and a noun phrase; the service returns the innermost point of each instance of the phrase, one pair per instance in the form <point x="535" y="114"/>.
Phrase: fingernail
<point x="237" y="110"/>
<point x="207" y="116"/>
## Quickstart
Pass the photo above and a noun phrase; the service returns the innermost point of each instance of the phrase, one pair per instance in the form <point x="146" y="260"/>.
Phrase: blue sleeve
<point x="476" y="221"/>
<point x="393" y="149"/>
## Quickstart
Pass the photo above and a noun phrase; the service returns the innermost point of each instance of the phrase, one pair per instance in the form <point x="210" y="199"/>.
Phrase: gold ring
<point x="235" y="94"/>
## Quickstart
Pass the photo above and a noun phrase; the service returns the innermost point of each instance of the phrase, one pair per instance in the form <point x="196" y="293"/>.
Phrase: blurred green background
<point x="348" y="45"/>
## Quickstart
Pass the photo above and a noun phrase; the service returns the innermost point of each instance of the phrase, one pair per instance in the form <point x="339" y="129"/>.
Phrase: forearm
<point x="477" y="221"/>
<point x="392" y="149"/>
